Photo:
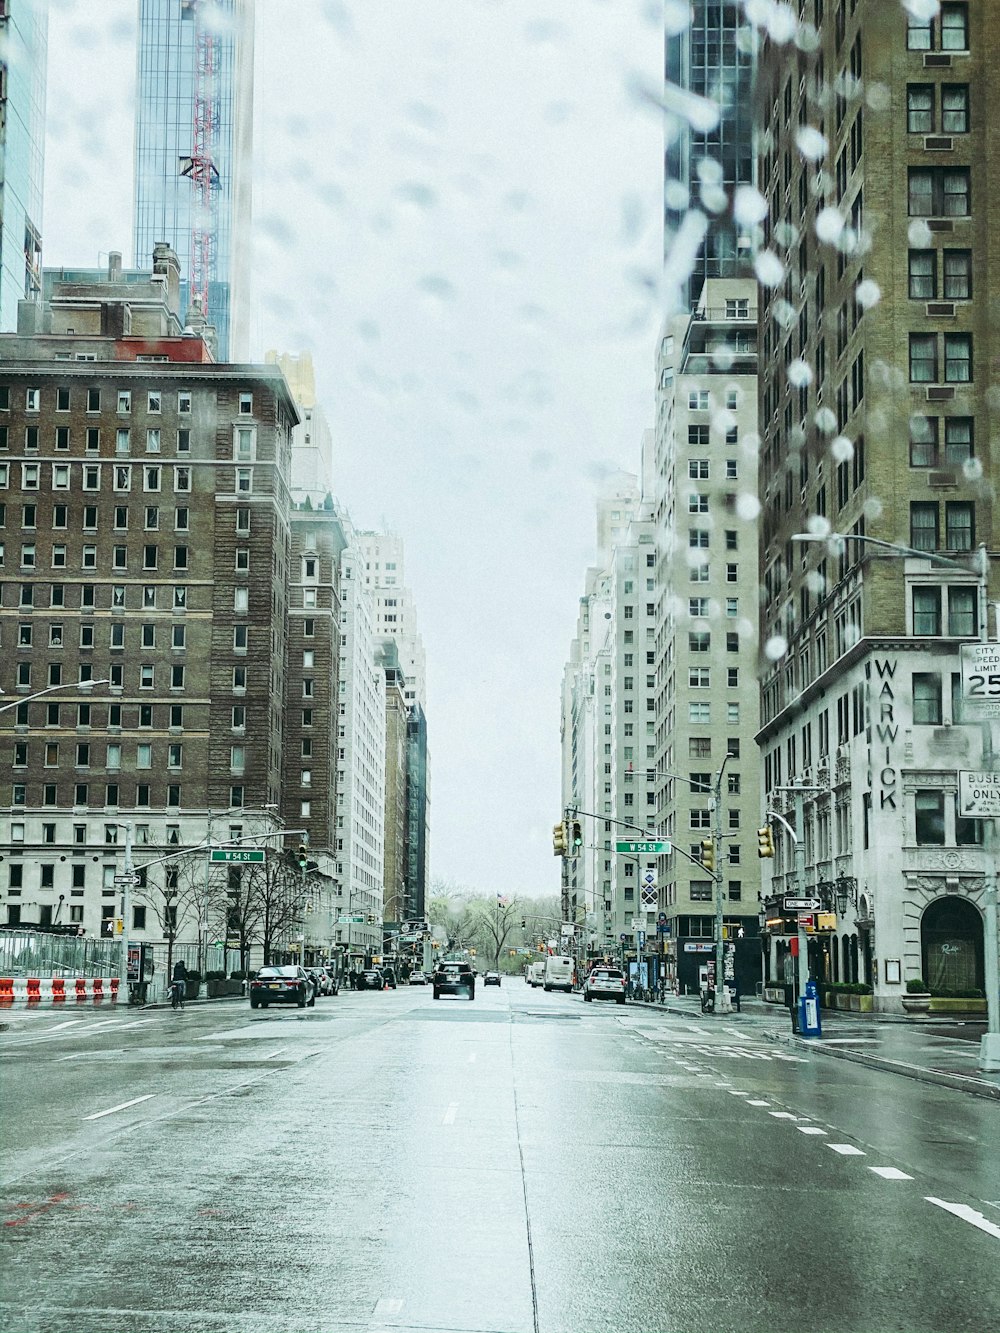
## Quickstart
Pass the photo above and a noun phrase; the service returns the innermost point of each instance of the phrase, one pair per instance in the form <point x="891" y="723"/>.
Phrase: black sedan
<point x="281" y="985"/>
<point x="371" y="979"/>
<point x="454" y="979"/>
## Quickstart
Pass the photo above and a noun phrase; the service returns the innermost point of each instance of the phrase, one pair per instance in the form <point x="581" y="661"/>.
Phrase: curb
<point x="959" y="1082"/>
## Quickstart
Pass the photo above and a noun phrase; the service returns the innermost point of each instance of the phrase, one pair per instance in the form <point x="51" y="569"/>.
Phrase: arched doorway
<point x="951" y="945"/>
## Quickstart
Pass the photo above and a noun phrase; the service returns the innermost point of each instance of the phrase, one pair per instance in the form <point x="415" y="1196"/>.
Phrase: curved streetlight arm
<point x="67" y="685"/>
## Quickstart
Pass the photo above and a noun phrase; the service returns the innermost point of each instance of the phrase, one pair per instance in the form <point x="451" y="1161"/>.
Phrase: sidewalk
<point x="943" y="1051"/>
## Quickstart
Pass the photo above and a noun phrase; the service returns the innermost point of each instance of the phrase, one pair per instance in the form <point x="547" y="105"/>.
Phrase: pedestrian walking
<point x="352" y="977"/>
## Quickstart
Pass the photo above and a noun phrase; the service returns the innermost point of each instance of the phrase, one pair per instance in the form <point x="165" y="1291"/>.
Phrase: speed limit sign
<point x="980" y="680"/>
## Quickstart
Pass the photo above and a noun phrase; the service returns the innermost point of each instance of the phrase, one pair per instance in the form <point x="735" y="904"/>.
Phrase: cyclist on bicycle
<point x="178" y="982"/>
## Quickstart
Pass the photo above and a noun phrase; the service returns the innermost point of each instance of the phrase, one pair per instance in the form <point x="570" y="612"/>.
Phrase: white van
<point x="536" y="973"/>
<point x="558" y="973"/>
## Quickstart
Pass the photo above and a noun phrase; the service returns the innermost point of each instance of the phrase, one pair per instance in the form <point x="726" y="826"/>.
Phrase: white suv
<point x="605" y="983"/>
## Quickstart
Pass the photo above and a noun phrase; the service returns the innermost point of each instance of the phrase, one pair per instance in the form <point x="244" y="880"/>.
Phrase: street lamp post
<point x="989" y="1049"/>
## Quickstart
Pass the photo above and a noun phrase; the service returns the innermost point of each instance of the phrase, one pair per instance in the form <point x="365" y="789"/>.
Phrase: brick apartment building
<point x="145" y="542"/>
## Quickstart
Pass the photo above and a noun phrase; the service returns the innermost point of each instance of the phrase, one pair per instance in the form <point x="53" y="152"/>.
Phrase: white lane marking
<point x="274" y="1054"/>
<point x="810" y="1129"/>
<point x="723" y="1084"/>
<point x="123" y="1106"/>
<point x="449" y="1115"/>
<point x="967" y="1214"/>
<point x="846" y="1149"/>
<point x="472" y="1057"/>
<point x="783" y="1115"/>
<point x="890" y="1173"/>
<point x="387" y="1305"/>
<point x="70" y="1022"/>
<point x="734" y="1093"/>
<point x="755" y="1101"/>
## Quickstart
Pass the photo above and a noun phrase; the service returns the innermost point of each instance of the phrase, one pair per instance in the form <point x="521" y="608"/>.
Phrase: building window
<point x="927" y="698"/>
<point x="962" y="617"/>
<point x="927" y="611"/>
<point x="699" y="641"/>
<point x="959" y="525"/>
<point x="955" y="27"/>
<point x="920" y="108"/>
<point x="924" y="525"/>
<point x="923" y="358"/>
<point x="939" y="192"/>
<point x="923" y="275"/>
<point x="957" y="275"/>
<point x="958" y="358"/>
<point x="958" y="441"/>
<point x="929" y="818"/>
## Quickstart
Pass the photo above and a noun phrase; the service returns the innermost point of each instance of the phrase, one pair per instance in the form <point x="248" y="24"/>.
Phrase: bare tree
<point x="172" y="891"/>
<point x="496" y="922"/>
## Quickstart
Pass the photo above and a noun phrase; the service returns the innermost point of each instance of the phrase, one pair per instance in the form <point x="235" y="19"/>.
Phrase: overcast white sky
<point x="457" y="211"/>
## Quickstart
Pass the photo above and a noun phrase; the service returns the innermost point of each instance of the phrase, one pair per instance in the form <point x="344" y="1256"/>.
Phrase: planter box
<point x="916" y="1003"/>
<point x="220" y="988"/>
<point x="939" y="1005"/>
<point x="774" y="994"/>
<point x="843" y="1001"/>
<point x="191" y="989"/>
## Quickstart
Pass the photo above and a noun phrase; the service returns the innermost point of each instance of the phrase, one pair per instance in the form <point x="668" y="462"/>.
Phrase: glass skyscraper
<point x="713" y="57"/>
<point x="24" y="32"/>
<point x="194" y="114"/>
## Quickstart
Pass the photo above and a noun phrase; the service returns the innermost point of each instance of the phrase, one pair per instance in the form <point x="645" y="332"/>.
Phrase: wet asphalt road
<point x="525" y="1162"/>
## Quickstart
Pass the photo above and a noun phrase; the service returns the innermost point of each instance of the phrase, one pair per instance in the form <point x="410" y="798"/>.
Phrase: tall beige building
<point x="705" y="651"/>
<point x="878" y="421"/>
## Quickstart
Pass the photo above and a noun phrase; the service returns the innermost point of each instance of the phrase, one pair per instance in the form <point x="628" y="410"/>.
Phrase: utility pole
<point x="126" y="905"/>
<point x="722" y="1004"/>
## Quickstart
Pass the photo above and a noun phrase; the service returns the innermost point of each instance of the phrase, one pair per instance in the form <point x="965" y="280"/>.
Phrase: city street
<point x="524" y="1162"/>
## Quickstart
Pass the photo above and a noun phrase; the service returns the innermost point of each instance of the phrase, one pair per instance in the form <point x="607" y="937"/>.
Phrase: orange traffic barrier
<point x="34" y="990"/>
<point x="81" y="988"/>
<point x="58" y="988"/>
<point x="6" y="990"/>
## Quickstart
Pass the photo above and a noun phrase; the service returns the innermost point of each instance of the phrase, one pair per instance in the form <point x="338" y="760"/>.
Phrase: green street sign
<point x="249" y="856"/>
<point x="644" y="848"/>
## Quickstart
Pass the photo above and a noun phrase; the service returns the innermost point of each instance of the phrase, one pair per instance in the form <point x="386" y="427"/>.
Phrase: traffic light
<point x="303" y="856"/>
<point x="576" y="839"/>
<point x="765" y="841"/>
<point x="560" y="840"/>
<point x="708" y="854"/>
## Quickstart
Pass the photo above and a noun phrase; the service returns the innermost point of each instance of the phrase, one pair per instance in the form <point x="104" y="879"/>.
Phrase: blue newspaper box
<point x="809" y="1024"/>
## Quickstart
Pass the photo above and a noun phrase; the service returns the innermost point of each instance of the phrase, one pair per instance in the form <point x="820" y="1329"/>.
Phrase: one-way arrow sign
<point x="801" y="904"/>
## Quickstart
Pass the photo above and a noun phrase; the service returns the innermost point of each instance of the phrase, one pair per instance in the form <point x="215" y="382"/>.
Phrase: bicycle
<point x="177" y="995"/>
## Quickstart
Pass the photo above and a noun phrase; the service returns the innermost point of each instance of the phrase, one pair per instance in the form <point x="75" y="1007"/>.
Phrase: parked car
<point x="326" y="984"/>
<point x="418" y="978"/>
<point x="605" y="983"/>
<point x="491" y="979"/>
<point x="371" y="979"/>
<point x="281" y="985"/>
<point x="454" y="979"/>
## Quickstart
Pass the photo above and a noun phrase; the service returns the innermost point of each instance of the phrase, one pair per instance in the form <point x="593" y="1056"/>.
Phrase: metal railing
<point x="29" y="953"/>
